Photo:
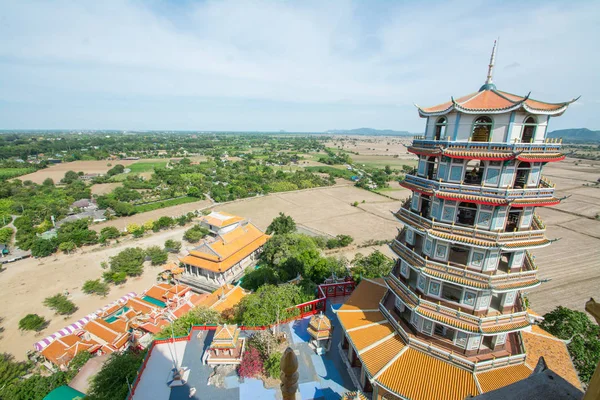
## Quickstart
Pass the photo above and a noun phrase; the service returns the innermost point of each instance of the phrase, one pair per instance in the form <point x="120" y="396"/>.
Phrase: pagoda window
<point x="441" y="251"/>
<point x="404" y="270"/>
<point x="461" y="339"/>
<point x="505" y="261"/>
<point x="444" y="331"/>
<point x="469" y="298"/>
<point x="425" y="206"/>
<point x="474" y="172"/>
<point x="427" y="327"/>
<point x="451" y="292"/>
<point x="482" y="130"/>
<point x="415" y="201"/>
<point x="514" y="218"/>
<point x="434" y="288"/>
<point x="440" y="128"/>
<point x="466" y="214"/>
<point x="432" y="166"/>
<point x="529" y="128"/>
<point x="522" y="175"/>
<point x="459" y="254"/>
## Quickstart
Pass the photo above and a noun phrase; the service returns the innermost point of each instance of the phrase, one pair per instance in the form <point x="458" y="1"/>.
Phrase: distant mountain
<point x="369" y="132"/>
<point x="576" y="135"/>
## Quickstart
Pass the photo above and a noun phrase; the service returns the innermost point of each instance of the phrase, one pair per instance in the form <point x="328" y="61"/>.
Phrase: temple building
<point x="233" y="245"/>
<point x="227" y="347"/>
<point x="450" y="320"/>
<point x="320" y="329"/>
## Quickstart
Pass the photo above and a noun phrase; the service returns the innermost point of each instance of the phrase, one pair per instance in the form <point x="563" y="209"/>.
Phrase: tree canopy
<point x="375" y="265"/>
<point x="112" y="380"/>
<point x="584" y="336"/>
<point x="270" y="304"/>
<point x="183" y="324"/>
<point x="281" y="225"/>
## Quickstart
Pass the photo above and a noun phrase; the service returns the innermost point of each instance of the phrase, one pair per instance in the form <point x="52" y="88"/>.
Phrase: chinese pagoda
<point x="450" y="320"/>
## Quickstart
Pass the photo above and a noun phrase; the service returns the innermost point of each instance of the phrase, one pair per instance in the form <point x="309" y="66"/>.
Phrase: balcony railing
<point x="492" y="280"/>
<point x="549" y="145"/>
<point x="543" y="190"/>
<point x="450" y="356"/>
<point x="478" y="323"/>
<point x="408" y="216"/>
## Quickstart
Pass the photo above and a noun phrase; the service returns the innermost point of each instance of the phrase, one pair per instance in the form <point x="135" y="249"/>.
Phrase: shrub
<point x="95" y="287"/>
<point x="263" y="341"/>
<point x="157" y="255"/>
<point x="110" y="232"/>
<point x="272" y="365"/>
<point x="194" y="234"/>
<point x="42" y="247"/>
<point x="172" y="246"/>
<point x="67" y="247"/>
<point x="251" y="364"/>
<point x="129" y="261"/>
<point x="61" y="304"/>
<point x="114" y="277"/>
<point x="6" y="235"/>
<point x="32" y="322"/>
<point x="281" y="225"/>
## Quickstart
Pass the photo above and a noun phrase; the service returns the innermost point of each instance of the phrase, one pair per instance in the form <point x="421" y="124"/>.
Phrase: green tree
<point x="326" y="267"/>
<point x="193" y="191"/>
<point x="112" y="380"/>
<point x="32" y="322"/>
<point x="157" y="255"/>
<point x="195" y="233"/>
<point x="130" y="261"/>
<point x="34" y="387"/>
<point x="584" y="336"/>
<point x="70" y="177"/>
<point x="172" y="246"/>
<point x="290" y="255"/>
<point x="269" y="304"/>
<point x="67" y="247"/>
<point x="196" y="316"/>
<point x="281" y="225"/>
<point x="95" y="287"/>
<point x="61" y="304"/>
<point x="10" y="372"/>
<point x="375" y="265"/>
<point x="6" y="234"/>
<point x="42" y="247"/>
<point x="109" y="232"/>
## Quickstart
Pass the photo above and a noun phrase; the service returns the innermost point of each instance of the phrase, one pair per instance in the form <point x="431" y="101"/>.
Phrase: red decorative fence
<point x="306" y="309"/>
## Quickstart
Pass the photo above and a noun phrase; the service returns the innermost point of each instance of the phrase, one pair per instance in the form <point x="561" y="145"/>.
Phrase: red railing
<point x="309" y="308"/>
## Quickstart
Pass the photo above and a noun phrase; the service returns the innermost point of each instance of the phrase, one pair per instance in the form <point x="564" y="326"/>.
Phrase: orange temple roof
<point x="491" y="100"/>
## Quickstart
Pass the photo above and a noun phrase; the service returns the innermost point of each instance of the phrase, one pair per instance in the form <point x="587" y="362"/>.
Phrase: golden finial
<point x="289" y="374"/>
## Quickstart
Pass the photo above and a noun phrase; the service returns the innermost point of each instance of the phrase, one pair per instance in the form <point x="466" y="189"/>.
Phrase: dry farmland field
<point x="57" y="171"/>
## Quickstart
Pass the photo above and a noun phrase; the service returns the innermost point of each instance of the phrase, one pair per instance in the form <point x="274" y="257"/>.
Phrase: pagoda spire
<point x="489" y="83"/>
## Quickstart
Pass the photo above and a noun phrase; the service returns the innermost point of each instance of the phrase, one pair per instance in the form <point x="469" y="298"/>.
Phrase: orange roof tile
<point x="366" y="296"/>
<point x="230" y="252"/>
<point x="102" y="330"/>
<point x="539" y="343"/>
<point x="141" y="305"/>
<point x="231" y="299"/>
<point x="351" y="320"/>
<point x="379" y="356"/>
<point x="365" y="337"/>
<point x="221" y="219"/>
<point x="418" y="376"/>
<point x="500" y="377"/>
<point x="493" y="100"/>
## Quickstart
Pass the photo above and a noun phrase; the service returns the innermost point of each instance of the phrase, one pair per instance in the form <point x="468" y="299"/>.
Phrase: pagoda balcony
<point x="455" y="317"/>
<point x="535" y="232"/>
<point x="497" y="196"/>
<point x="513" y="352"/>
<point x="460" y="273"/>
<point x="548" y="146"/>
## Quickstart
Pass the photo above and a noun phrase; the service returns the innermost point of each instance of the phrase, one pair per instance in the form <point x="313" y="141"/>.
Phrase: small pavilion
<point x="227" y="347"/>
<point x="320" y="329"/>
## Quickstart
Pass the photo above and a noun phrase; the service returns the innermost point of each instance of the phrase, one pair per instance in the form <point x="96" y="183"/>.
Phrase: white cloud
<point x="310" y="52"/>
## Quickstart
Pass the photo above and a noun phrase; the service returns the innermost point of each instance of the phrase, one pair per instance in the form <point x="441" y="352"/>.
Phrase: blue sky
<point x="292" y="65"/>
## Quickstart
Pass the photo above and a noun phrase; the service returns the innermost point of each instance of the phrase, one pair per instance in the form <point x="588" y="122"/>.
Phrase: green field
<point x="382" y="161"/>
<point x="336" y="172"/>
<point x="7" y="173"/>
<point x="146" y="166"/>
<point x="165" y="203"/>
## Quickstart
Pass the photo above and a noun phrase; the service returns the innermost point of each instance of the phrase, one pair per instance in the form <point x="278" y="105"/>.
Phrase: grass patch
<point x="164" y="203"/>
<point x="7" y="173"/>
<point x="146" y="166"/>
<point x="382" y="161"/>
<point x="336" y="172"/>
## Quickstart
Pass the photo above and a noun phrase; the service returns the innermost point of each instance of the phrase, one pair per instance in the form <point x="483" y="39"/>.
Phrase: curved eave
<point x="541" y="159"/>
<point x="561" y="108"/>
<point x="416" y="188"/>
<point x="482" y="157"/>
<point x="473" y="199"/>
<point x="424" y="152"/>
<point x="537" y="203"/>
